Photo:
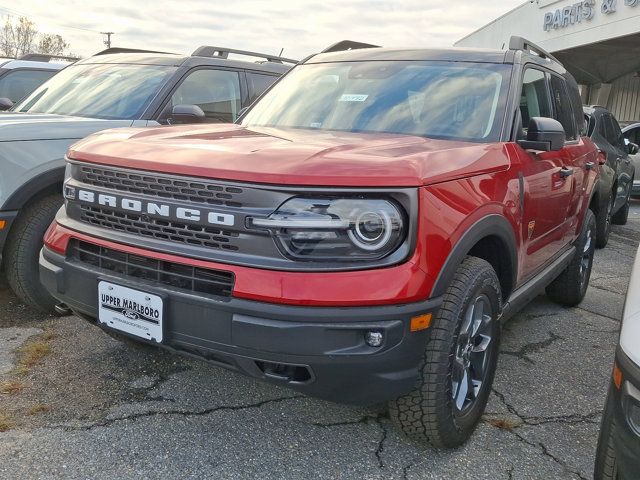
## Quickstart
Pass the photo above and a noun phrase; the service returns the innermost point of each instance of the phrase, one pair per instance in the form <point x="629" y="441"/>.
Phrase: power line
<point x="23" y="14"/>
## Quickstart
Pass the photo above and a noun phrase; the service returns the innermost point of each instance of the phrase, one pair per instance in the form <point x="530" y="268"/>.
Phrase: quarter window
<point x="216" y="92"/>
<point x="562" y="107"/>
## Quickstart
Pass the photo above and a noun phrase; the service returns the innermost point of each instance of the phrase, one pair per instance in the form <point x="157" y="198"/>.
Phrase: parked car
<point x="632" y="135"/>
<point x="618" y="453"/>
<point x="18" y="78"/>
<point x="116" y="88"/>
<point x="358" y="236"/>
<point x="617" y="172"/>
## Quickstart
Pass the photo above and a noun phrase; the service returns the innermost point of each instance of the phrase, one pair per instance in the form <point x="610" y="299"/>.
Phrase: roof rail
<point x="111" y="50"/>
<point x="519" y="43"/>
<point x="45" y="57"/>
<point x="223" y="52"/>
<point x="347" y="45"/>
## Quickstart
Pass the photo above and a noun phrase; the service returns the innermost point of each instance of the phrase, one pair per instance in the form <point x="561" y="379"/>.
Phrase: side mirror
<point x="5" y="104"/>
<point x="186" y="114"/>
<point x="632" y="148"/>
<point x="544" y="135"/>
<point x="242" y="111"/>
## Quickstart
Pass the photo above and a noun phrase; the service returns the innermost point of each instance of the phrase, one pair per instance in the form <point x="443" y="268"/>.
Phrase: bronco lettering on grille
<point x="151" y="208"/>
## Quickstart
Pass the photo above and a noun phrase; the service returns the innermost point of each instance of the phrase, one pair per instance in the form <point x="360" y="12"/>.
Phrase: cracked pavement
<point x="95" y="407"/>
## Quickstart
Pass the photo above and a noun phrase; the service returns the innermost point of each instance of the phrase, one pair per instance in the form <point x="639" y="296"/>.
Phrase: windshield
<point x="111" y="91"/>
<point x="448" y="100"/>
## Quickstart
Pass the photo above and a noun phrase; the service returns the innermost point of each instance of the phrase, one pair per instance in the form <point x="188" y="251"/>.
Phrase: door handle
<point x="589" y="165"/>
<point x="566" y="172"/>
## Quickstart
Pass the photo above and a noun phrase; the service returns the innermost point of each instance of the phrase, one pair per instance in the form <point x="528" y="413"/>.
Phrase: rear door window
<point x="562" y="107"/>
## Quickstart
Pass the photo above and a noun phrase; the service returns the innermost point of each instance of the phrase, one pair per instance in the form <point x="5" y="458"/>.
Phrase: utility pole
<point x="107" y="41"/>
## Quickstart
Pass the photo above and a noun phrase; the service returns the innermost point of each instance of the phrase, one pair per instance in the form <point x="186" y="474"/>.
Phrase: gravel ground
<point x="75" y="403"/>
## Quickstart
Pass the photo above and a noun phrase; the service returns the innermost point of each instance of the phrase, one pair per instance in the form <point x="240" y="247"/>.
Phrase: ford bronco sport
<point x="19" y="77"/>
<point x="358" y="236"/>
<point x="118" y="87"/>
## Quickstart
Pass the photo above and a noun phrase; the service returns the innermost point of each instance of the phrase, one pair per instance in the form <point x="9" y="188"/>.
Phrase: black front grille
<point x="176" y="275"/>
<point x="202" y="192"/>
<point x="198" y="235"/>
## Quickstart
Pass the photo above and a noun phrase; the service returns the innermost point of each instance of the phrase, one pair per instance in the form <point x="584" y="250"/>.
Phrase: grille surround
<point x="179" y="276"/>
<point x="169" y="230"/>
<point x="160" y="186"/>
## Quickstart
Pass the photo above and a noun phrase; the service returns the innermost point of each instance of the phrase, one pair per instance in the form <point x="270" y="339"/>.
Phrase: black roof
<point x="140" y="57"/>
<point x="519" y="51"/>
<point x="391" y="54"/>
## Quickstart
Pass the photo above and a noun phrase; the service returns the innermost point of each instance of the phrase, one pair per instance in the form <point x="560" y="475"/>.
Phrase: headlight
<point x="336" y="228"/>
<point x="67" y="191"/>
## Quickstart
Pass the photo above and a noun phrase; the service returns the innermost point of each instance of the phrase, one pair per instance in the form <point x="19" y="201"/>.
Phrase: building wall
<point x="573" y="23"/>
<point x="624" y="99"/>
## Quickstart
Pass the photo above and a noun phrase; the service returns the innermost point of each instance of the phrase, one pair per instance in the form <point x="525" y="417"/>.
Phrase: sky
<point x="300" y="27"/>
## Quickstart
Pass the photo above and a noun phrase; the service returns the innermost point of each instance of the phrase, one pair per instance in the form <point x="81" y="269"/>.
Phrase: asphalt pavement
<point x="77" y="404"/>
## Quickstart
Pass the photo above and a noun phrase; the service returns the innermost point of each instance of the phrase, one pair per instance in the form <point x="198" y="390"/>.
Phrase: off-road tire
<point x="606" y="464"/>
<point x="570" y="287"/>
<point x="427" y="414"/>
<point x="604" y="217"/>
<point x="22" y="252"/>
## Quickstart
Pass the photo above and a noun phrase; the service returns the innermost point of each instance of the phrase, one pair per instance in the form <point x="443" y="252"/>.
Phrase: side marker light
<point x="421" y="322"/>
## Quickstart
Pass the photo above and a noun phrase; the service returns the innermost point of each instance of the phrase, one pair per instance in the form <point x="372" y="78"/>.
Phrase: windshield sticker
<point x="351" y="97"/>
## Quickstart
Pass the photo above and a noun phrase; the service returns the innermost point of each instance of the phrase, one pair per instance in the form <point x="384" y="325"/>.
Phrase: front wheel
<point x="622" y="215"/>
<point x="23" y="250"/>
<point x="459" y="362"/>
<point x="603" y="223"/>
<point x="606" y="467"/>
<point x="571" y="285"/>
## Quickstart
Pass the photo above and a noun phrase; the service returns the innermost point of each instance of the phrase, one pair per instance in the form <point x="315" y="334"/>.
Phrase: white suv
<point x="618" y="455"/>
<point x="18" y="78"/>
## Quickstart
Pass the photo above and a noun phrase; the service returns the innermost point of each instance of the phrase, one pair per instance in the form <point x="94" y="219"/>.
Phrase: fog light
<point x="373" y="339"/>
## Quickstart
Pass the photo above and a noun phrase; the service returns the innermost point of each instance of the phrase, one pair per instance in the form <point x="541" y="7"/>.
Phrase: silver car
<point x="632" y="135"/>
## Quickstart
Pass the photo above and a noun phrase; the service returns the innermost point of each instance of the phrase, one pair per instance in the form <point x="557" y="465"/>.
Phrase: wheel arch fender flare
<point x="493" y="225"/>
<point x="43" y="182"/>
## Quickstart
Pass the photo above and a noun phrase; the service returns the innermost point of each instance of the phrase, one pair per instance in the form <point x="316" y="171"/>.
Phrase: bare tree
<point x="19" y="37"/>
<point x="52" y="44"/>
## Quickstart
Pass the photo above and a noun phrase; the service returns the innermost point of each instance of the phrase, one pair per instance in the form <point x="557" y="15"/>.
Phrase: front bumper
<point x="625" y="403"/>
<point x="319" y="351"/>
<point x="6" y="219"/>
<point x="635" y="188"/>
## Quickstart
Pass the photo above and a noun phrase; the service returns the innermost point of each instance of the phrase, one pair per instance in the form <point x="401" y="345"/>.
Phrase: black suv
<point x="115" y="88"/>
<point x="616" y="171"/>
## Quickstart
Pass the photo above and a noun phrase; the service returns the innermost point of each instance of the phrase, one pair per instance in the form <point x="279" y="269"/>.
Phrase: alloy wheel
<point x="472" y="353"/>
<point x="587" y="255"/>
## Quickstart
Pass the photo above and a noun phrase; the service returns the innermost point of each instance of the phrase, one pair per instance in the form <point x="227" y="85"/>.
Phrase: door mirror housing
<point x="5" y="104"/>
<point x="544" y="135"/>
<point x="186" y="114"/>
<point x="632" y="148"/>
<point x="242" y="111"/>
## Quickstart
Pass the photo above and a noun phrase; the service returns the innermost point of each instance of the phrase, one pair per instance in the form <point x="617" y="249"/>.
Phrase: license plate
<point x="131" y="311"/>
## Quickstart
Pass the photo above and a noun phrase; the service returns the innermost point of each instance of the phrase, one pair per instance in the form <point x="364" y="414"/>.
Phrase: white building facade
<point x="598" y="41"/>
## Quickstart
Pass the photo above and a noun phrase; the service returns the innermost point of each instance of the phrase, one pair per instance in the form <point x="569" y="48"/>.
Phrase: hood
<point x="291" y="156"/>
<point x="16" y="127"/>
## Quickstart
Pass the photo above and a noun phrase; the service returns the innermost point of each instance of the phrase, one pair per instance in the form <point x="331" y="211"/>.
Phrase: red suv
<point x="358" y="236"/>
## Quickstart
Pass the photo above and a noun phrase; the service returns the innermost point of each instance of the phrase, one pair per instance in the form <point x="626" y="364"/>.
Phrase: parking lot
<point x="75" y="403"/>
